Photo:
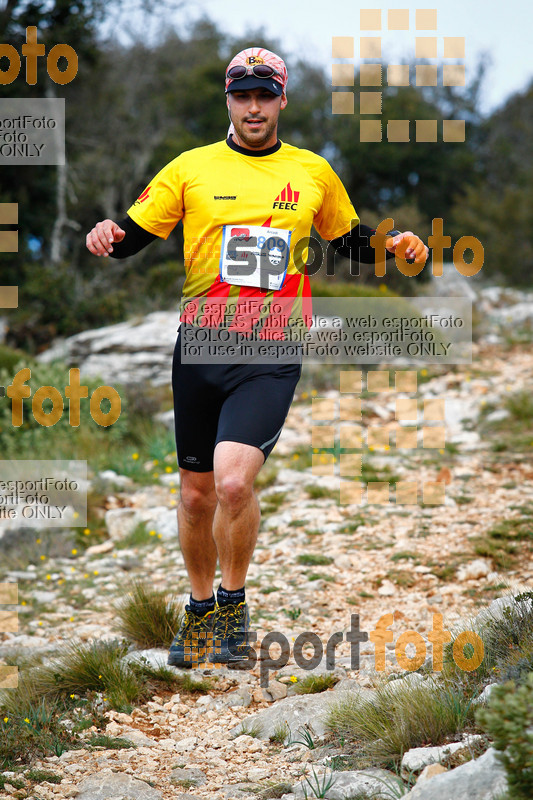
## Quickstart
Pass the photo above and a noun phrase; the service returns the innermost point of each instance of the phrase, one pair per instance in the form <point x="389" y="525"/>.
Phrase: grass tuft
<point x="399" y="717"/>
<point x="147" y="617"/>
<point x="506" y="541"/>
<point x="313" y="559"/>
<point x="109" y="742"/>
<point x="316" y="492"/>
<point x="253" y="729"/>
<point x="313" y="684"/>
<point x="280" y="734"/>
<point x="55" y="703"/>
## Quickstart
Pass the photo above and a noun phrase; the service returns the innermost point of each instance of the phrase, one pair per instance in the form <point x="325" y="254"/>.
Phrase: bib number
<point x="254" y="256"/>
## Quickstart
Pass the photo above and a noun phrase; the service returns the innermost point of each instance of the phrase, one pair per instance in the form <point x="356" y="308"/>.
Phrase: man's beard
<point x="254" y="142"/>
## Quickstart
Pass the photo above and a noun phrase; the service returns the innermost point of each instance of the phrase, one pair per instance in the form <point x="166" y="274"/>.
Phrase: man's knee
<point x="233" y="489"/>
<point x="197" y="494"/>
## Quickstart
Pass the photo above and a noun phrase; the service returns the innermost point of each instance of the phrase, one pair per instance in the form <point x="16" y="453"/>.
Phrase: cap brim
<point x="252" y="82"/>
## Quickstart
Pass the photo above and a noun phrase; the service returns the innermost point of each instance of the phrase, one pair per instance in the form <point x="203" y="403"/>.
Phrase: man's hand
<point x="102" y="236"/>
<point x="409" y="246"/>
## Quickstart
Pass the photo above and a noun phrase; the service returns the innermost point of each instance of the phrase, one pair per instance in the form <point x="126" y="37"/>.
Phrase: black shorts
<point x="232" y="402"/>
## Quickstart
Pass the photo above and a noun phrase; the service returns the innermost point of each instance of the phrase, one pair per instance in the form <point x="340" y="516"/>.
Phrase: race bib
<point x="254" y="256"/>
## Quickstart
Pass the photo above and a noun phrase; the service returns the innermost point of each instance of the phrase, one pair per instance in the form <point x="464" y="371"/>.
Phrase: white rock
<point x="480" y="779"/>
<point x="111" y="476"/>
<point x="258" y="774"/>
<point x="184" y="745"/>
<point x="484" y="697"/>
<point x="98" y="549"/>
<point x="419" y="757"/>
<point x="429" y="772"/>
<point x="497" y="607"/>
<point x="121" y="521"/>
<point x="275" y="691"/>
<point x="156" y="656"/>
<point x="497" y="415"/>
<point x="479" y="568"/>
<point x="134" y="351"/>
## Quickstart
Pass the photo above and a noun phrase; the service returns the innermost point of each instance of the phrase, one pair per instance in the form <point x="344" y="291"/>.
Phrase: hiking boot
<point x="194" y="640"/>
<point x="231" y="636"/>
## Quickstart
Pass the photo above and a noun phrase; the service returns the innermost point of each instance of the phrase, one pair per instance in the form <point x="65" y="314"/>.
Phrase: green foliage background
<point x="134" y="107"/>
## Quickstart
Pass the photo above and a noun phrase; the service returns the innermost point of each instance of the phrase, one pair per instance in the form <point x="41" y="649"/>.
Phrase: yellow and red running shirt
<point x="219" y="190"/>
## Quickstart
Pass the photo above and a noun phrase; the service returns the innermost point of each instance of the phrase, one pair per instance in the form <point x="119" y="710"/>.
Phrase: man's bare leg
<point x="196" y="510"/>
<point x="237" y="515"/>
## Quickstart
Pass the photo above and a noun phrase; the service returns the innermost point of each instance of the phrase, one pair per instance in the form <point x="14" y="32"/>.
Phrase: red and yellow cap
<point x="249" y="58"/>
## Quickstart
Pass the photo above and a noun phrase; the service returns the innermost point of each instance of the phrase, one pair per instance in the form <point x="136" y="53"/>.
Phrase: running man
<point x="228" y="417"/>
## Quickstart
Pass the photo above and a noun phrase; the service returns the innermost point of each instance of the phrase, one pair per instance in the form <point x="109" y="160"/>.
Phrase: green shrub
<point x="33" y="440"/>
<point x="10" y="357"/>
<point x="509" y="720"/>
<point x="85" y="671"/>
<point x="30" y="731"/>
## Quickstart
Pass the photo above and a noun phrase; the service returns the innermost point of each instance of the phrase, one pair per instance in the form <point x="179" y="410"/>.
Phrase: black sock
<point x="227" y="596"/>
<point x="201" y="607"/>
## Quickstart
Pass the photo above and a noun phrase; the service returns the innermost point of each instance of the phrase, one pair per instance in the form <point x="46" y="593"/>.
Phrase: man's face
<point x="254" y="113"/>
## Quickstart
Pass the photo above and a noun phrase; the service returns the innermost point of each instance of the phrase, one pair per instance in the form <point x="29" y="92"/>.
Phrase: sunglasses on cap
<point x="259" y="70"/>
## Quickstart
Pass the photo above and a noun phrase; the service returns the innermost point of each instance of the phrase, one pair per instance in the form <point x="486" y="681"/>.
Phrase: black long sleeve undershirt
<point x="355" y="244"/>
<point x="135" y="239"/>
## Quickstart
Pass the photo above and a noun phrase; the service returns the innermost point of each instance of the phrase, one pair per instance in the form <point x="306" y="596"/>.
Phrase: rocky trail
<point x="318" y="562"/>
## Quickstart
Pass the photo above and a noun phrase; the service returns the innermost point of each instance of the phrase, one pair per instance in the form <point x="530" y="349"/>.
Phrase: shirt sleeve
<point x="337" y="215"/>
<point x="159" y="207"/>
<point x="135" y="239"/>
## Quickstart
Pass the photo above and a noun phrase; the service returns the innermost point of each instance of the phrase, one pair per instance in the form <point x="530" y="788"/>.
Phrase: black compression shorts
<point x="233" y="402"/>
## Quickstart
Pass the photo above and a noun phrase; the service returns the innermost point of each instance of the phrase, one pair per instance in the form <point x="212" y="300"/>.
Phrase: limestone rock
<point x="155" y="656"/>
<point x="192" y="776"/>
<point x="134" y="351"/>
<point x="107" y="785"/>
<point x="479" y="568"/>
<point x="240" y="697"/>
<point x="308" y="710"/>
<point x="351" y="783"/>
<point x="274" y="691"/>
<point x="121" y="521"/>
<point x="417" y="758"/>
<point x="429" y="772"/>
<point x="481" y="779"/>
